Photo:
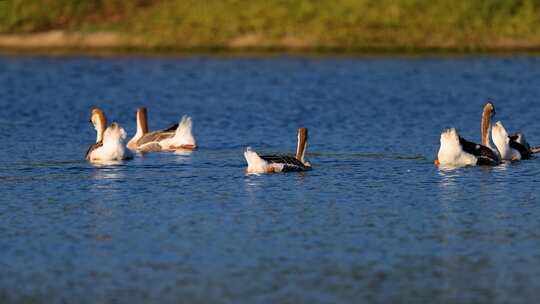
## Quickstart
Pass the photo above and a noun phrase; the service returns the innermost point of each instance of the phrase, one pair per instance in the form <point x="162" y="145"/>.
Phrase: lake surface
<point x="374" y="222"/>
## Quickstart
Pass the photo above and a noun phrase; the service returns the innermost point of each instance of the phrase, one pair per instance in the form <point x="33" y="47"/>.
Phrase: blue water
<point x="374" y="222"/>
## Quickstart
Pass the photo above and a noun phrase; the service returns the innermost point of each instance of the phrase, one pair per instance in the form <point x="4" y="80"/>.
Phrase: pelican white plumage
<point x="510" y="147"/>
<point x="502" y="142"/>
<point x="111" y="148"/>
<point x="175" y="137"/>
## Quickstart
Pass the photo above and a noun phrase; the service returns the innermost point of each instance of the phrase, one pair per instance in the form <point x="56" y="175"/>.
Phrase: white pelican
<point x="111" y="148"/>
<point x="177" y="136"/>
<point x="455" y="151"/>
<point x="280" y="163"/>
<point x="510" y="147"/>
<point x="519" y="138"/>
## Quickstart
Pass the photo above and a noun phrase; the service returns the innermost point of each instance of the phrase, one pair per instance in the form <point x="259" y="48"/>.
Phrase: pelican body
<point x="280" y="163"/>
<point x="177" y="136"/>
<point x="513" y="147"/>
<point x="455" y="151"/>
<point x="109" y="144"/>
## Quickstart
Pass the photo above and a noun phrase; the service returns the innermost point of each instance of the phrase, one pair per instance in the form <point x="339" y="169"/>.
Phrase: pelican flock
<point x="454" y="150"/>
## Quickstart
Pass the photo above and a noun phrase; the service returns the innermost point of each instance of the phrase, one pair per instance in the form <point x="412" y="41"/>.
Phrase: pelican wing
<point x="484" y="154"/>
<point x="92" y="148"/>
<point x="170" y="129"/>
<point x="523" y="147"/>
<point x="535" y="149"/>
<point x="155" y="136"/>
<point x="150" y="147"/>
<point x="290" y="163"/>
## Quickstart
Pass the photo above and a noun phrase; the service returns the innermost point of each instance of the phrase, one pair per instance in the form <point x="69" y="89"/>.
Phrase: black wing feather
<point x="485" y="155"/>
<point x="290" y="163"/>
<point x="524" y="151"/>
<point x="171" y="128"/>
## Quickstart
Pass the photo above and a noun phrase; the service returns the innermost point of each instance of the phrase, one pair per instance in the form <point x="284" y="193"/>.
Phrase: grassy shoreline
<point x="339" y="26"/>
<point x="110" y="43"/>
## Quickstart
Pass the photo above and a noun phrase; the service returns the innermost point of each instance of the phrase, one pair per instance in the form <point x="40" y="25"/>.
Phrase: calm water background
<point x="374" y="221"/>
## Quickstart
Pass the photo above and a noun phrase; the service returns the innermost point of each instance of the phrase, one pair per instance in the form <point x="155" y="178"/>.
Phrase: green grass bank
<point x="316" y="25"/>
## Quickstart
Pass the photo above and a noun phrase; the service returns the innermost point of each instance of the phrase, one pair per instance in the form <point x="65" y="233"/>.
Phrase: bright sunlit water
<point x="375" y="221"/>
